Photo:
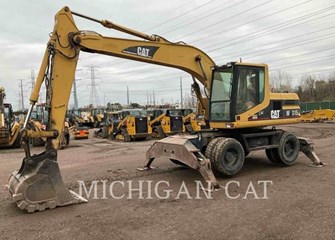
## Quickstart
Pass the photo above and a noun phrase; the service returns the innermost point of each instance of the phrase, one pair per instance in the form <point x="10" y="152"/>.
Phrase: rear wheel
<point x="287" y="151"/>
<point x="229" y="156"/>
<point x="271" y="155"/>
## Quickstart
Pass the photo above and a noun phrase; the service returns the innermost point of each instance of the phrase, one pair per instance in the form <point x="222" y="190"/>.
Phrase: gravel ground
<point x="300" y="202"/>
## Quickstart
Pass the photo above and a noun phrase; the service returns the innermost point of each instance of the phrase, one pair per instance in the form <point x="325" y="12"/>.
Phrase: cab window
<point x="250" y="88"/>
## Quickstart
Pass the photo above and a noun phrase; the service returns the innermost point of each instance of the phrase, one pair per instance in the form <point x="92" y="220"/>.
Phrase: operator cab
<point x="8" y="116"/>
<point x="236" y="89"/>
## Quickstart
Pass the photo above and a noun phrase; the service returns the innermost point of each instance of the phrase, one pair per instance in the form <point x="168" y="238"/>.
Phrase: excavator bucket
<point x="38" y="184"/>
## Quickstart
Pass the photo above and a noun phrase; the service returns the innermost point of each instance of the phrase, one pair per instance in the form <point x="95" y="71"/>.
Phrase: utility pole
<point x="93" y="93"/>
<point x="32" y="78"/>
<point x="75" y="94"/>
<point x="147" y="98"/>
<point x="21" y="100"/>
<point x="153" y="97"/>
<point x="127" y="96"/>
<point x="181" y="93"/>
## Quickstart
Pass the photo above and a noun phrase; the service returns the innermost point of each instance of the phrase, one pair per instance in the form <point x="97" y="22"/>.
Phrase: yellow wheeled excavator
<point x="239" y="107"/>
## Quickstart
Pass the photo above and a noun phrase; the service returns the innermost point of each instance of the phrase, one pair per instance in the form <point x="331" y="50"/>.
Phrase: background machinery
<point x="126" y="125"/>
<point x="9" y="128"/>
<point x="39" y="119"/>
<point x="166" y="122"/>
<point x="239" y="108"/>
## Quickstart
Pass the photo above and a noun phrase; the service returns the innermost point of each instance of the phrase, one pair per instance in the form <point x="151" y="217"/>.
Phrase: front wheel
<point x="229" y="156"/>
<point x="126" y="136"/>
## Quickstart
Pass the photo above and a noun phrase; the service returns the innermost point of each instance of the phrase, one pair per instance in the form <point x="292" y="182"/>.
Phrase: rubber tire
<point x="210" y="153"/>
<point x="189" y="129"/>
<point x="160" y="132"/>
<point x="125" y="134"/>
<point x="17" y="142"/>
<point x="270" y="153"/>
<point x="148" y="137"/>
<point x="281" y="153"/>
<point x="210" y="150"/>
<point x="232" y="146"/>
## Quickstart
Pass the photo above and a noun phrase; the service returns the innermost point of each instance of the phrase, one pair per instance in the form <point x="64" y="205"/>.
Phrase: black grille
<point x="176" y="124"/>
<point x="4" y="135"/>
<point x="141" y="125"/>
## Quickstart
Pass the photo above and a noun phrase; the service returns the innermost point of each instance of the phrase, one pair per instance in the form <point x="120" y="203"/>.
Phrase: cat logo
<point x="275" y="113"/>
<point x="142" y="51"/>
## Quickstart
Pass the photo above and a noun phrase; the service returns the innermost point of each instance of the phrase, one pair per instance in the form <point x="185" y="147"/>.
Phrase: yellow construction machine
<point x="166" y="122"/>
<point x="125" y="125"/>
<point x="9" y="128"/>
<point x="193" y="122"/>
<point x="239" y="107"/>
<point x="98" y="115"/>
<point x="39" y="119"/>
<point x="319" y="115"/>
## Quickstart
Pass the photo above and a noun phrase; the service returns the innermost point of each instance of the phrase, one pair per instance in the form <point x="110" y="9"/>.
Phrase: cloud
<point x="272" y="32"/>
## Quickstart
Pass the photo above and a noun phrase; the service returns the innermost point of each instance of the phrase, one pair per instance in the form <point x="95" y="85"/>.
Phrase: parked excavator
<point x="9" y="128"/>
<point x="238" y="115"/>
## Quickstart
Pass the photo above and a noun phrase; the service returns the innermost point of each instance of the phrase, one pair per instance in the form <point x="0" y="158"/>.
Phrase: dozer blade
<point x="38" y="184"/>
<point x="184" y="149"/>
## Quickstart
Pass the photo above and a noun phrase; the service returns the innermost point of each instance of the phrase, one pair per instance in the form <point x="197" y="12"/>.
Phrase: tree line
<point x="310" y="87"/>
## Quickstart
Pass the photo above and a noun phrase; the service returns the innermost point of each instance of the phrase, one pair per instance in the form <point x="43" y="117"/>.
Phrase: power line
<point x="280" y="41"/>
<point x="201" y="18"/>
<point x="180" y="15"/>
<point x="255" y="20"/>
<point x="299" y="55"/>
<point x="301" y="43"/>
<point x="235" y="15"/>
<point x="280" y="25"/>
<point x="274" y="28"/>
<point x="304" y="63"/>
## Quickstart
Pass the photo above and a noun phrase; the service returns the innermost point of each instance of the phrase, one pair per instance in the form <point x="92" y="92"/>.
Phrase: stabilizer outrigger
<point x="187" y="150"/>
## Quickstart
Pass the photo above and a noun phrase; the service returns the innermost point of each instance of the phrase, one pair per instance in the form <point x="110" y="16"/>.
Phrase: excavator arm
<point x="38" y="184"/>
<point x="61" y="57"/>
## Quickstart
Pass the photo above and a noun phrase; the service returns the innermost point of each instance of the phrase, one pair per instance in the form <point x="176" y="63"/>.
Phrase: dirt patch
<point x="300" y="202"/>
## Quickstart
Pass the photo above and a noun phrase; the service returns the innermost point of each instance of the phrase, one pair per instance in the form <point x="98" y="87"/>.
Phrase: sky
<point x="292" y="36"/>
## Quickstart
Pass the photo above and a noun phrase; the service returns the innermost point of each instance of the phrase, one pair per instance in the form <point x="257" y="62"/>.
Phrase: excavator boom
<point x="38" y="184"/>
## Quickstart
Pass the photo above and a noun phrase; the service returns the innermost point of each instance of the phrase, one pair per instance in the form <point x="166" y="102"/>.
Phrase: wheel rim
<point x="289" y="148"/>
<point x="230" y="158"/>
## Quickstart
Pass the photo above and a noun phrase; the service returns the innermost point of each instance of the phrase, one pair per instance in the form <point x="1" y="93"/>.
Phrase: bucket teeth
<point x="38" y="185"/>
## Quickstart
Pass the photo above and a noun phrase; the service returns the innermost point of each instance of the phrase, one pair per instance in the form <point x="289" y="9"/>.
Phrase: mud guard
<point x="38" y="184"/>
<point x="183" y="149"/>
